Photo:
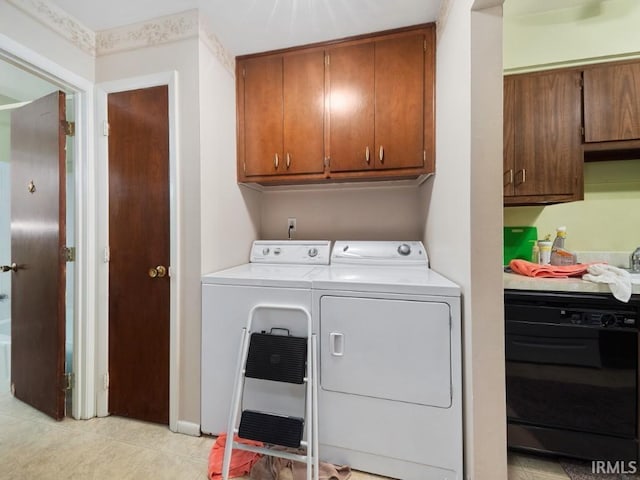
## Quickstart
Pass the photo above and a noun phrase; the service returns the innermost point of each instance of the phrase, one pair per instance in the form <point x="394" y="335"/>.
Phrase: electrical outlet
<point x="291" y="225"/>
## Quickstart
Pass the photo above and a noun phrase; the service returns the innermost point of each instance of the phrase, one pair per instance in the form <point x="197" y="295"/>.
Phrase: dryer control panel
<point x="399" y="253"/>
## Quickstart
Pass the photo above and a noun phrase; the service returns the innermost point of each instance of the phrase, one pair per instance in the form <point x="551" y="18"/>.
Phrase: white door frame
<point x="102" y="186"/>
<point x="83" y="395"/>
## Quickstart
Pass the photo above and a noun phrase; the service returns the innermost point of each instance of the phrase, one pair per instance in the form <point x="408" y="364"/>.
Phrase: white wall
<point x="30" y="33"/>
<point x="374" y="212"/>
<point x="230" y="214"/>
<point x="463" y="209"/>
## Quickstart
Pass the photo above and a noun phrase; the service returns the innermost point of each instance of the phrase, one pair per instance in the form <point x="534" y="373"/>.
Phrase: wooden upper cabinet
<point x="399" y="102"/>
<point x="351" y="107"/>
<point x="304" y="112"/>
<point x="361" y="108"/>
<point x="263" y="115"/>
<point x="508" y="135"/>
<point x="282" y="117"/>
<point x="612" y="102"/>
<point x="546" y="156"/>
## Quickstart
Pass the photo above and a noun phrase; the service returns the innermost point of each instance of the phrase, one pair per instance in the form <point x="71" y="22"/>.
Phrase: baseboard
<point x="188" y="428"/>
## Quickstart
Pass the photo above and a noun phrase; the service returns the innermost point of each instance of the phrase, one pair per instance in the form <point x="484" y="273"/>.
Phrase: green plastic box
<point x="519" y="242"/>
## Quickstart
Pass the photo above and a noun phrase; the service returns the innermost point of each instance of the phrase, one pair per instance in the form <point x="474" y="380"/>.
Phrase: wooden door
<point x="508" y="133"/>
<point x="351" y="107"/>
<point x="139" y="244"/>
<point x="38" y="206"/>
<point x="303" y="93"/>
<point x="263" y="116"/>
<point x="548" y="138"/>
<point x="399" y="102"/>
<point x="612" y="103"/>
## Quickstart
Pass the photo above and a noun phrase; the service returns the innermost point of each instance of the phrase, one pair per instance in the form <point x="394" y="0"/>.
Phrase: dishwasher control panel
<point x="600" y="318"/>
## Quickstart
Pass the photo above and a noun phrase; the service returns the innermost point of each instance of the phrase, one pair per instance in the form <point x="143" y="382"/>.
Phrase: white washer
<point x="279" y="274"/>
<point x="390" y="362"/>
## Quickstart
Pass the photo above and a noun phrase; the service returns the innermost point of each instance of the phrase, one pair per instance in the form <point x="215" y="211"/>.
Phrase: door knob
<point x="159" y="271"/>
<point x="7" y="268"/>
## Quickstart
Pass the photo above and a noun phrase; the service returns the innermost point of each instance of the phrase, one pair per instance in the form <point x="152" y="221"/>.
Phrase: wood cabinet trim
<point x="352" y="40"/>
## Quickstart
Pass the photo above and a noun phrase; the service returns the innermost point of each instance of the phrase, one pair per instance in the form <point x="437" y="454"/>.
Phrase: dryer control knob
<point x="404" y="249"/>
<point x="277" y="251"/>
<point x="313" y="252"/>
<point x="265" y="251"/>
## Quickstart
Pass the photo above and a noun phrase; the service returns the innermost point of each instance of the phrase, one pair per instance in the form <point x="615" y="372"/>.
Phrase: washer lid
<point x="412" y="280"/>
<point x="264" y="275"/>
<point x="379" y="253"/>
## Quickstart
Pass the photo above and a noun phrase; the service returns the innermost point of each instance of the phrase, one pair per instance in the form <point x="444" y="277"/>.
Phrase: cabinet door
<point x="351" y="107"/>
<point x="547" y="136"/>
<point x="612" y="103"/>
<point x="303" y="113"/>
<point x="263" y="116"/>
<point x="399" y="102"/>
<point x="508" y="133"/>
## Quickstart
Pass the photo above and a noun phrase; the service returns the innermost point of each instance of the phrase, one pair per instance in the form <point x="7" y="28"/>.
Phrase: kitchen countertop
<point x="513" y="281"/>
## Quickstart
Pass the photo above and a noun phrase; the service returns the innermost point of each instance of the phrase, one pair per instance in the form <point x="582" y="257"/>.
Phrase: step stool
<point x="277" y="358"/>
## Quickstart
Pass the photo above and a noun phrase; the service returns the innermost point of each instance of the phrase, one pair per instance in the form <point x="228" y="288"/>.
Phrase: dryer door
<point x="385" y="348"/>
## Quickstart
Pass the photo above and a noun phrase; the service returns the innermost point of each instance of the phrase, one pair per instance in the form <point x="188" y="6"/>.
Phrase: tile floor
<point x="528" y="467"/>
<point x="33" y="446"/>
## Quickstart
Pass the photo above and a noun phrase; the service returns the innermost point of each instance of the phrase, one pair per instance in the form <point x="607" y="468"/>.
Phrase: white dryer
<point x="390" y="362"/>
<point x="278" y="279"/>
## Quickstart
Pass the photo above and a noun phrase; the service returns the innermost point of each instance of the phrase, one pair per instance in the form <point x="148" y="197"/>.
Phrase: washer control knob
<point x="313" y="252"/>
<point x="277" y="251"/>
<point x="404" y="249"/>
<point x="265" y="251"/>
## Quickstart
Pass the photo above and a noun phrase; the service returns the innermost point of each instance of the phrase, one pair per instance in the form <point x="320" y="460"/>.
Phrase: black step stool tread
<point x="271" y="428"/>
<point x="280" y="358"/>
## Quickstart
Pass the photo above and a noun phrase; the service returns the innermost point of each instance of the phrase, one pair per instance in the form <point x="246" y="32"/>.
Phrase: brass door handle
<point x="288" y="161"/>
<point x="367" y="155"/>
<point x="381" y="154"/>
<point x="159" y="271"/>
<point x="8" y="268"/>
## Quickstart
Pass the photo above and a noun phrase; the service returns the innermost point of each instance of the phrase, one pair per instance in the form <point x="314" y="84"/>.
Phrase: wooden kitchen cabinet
<point x="612" y="102"/>
<point x="354" y="109"/>
<point x="542" y="138"/>
<point x="376" y="104"/>
<point x="280" y="102"/>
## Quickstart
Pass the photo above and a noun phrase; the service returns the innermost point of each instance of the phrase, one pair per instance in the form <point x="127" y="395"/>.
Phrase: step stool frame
<point x="311" y="398"/>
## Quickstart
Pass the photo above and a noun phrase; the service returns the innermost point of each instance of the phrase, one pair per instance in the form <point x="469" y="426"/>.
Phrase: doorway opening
<point x="18" y="88"/>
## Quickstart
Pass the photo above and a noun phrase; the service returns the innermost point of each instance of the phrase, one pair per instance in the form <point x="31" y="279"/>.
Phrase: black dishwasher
<point x="572" y="374"/>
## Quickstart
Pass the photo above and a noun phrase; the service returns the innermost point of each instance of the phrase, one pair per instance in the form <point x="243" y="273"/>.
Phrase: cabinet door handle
<point x="524" y="176"/>
<point x="276" y="161"/>
<point x="367" y="155"/>
<point x="381" y="154"/>
<point x="510" y="172"/>
<point x="288" y="160"/>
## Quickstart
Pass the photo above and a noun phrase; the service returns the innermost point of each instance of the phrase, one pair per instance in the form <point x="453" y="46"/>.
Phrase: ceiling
<point x="249" y="26"/>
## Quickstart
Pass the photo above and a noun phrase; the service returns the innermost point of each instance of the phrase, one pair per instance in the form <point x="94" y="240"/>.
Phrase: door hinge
<point x="582" y="131"/>
<point x="327" y="161"/>
<point x="425" y="45"/>
<point x="69" y="128"/>
<point x="424" y="157"/>
<point x="69" y="254"/>
<point x="244" y="72"/>
<point x="105" y="381"/>
<point x="105" y="128"/>
<point x="106" y="254"/>
<point x="327" y="60"/>
<point x="244" y="167"/>
<point x="68" y="381"/>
